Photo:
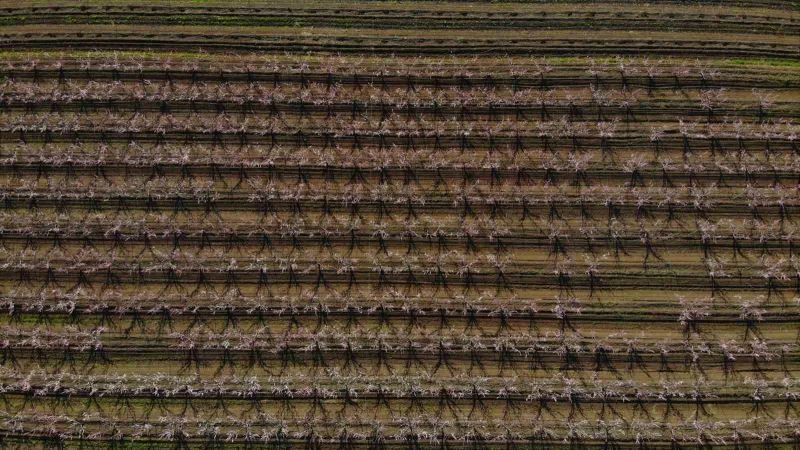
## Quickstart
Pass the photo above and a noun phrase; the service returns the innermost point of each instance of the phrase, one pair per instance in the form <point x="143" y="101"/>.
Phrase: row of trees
<point x="434" y="71"/>
<point x="426" y="430"/>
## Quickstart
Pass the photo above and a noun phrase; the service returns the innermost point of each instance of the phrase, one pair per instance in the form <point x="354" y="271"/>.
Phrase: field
<point x="395" y="224"/>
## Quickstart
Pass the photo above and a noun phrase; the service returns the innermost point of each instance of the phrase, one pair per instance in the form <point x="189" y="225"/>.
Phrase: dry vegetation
<point x="457" y="241"/>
